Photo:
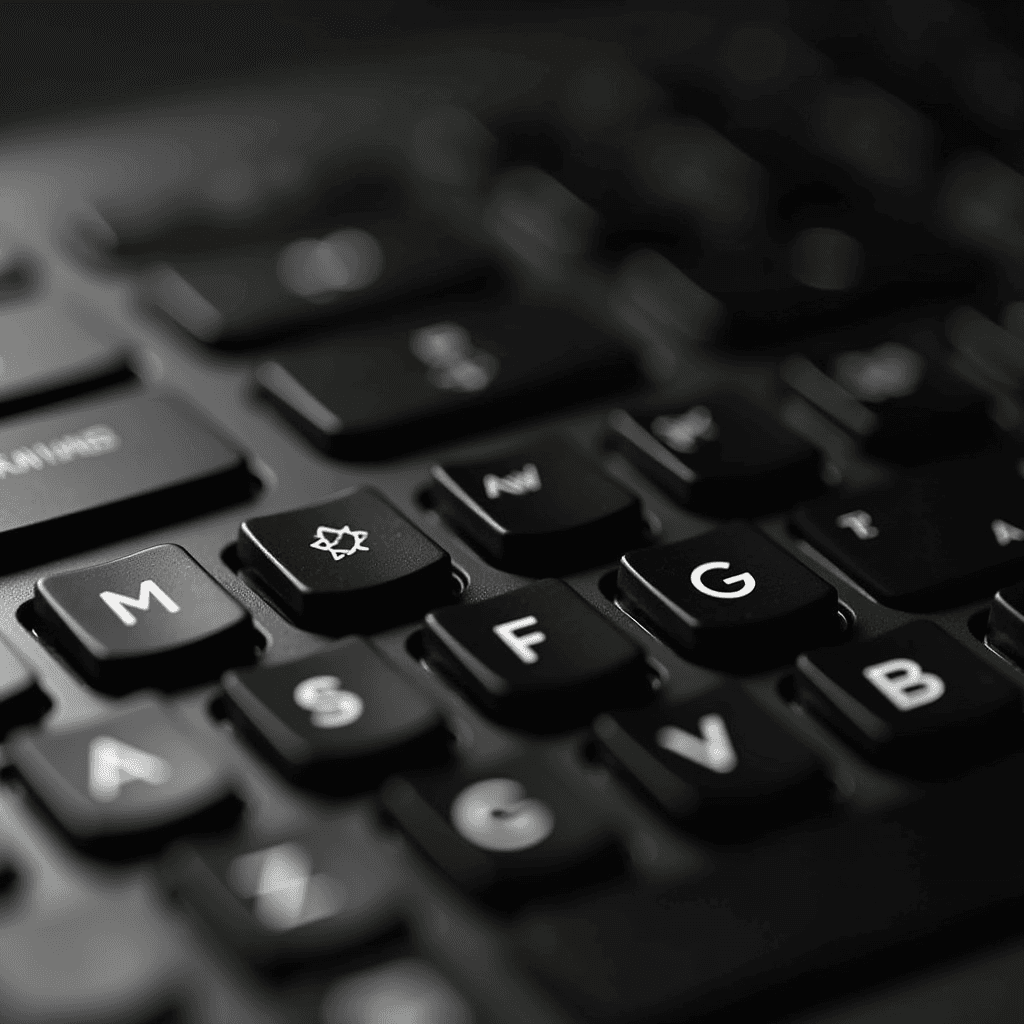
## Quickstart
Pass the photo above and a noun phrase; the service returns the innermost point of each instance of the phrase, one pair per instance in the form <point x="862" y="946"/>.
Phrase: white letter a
<point x="113" y="763"/>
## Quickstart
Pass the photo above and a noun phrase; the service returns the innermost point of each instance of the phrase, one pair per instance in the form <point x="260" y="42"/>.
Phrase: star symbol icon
<point x="329" y="539"/>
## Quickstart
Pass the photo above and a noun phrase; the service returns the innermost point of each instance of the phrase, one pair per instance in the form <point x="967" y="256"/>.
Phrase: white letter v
<point x="712" y="749"/>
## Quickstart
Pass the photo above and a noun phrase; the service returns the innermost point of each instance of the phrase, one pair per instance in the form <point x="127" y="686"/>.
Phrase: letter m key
<point x="119" y="603"/>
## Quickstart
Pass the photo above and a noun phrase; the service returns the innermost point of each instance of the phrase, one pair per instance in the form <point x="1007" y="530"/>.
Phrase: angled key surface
<point x="539" y="656"/>
<point x="108" y="469"/>
<point x="400" y="388"/>
<point x="717" y="758"/>
<point x="351" y="563"/>
<point x="931" y="539"/>
<point x="730" y="596"/>
<point x="721" y="454"/>
<point x="914" y="697"/>
<point x="545" y="506"/>
<point x="46" y="354"/>
<point x="296" y="901"/>
<point x="337" y="718"/>
<point x="506" y="832"/>
<point x="244" y="296"/>
<point x="21" y="699"/>
<point x="152" y="617"/>
<point x="119" y="784"/>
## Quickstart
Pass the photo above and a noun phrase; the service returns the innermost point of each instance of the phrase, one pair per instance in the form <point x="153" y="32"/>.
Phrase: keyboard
<point x="526" y="525"/>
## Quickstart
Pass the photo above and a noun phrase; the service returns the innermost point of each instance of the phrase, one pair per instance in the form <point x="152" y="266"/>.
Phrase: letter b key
<point x="904" y="683"/>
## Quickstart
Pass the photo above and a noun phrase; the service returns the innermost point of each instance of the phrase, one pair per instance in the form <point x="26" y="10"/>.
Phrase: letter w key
<point x="120" y="603"/>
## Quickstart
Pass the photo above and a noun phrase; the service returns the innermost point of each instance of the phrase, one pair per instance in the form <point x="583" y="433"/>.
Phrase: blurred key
<point x="370" y="394"/>
<point x="931" y="539"/>
<point x="721" y="454"/>
<point x="124" y="782"/>
<point x="275" y="289"/>
<point x="21" y="698"/>
<point x="891" y="388"/>
<point x="47" y="354"/>
<point x="110" y="469"/>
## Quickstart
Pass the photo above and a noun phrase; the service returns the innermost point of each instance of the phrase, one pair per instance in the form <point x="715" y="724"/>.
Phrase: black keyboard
<point x="526" y="526"/>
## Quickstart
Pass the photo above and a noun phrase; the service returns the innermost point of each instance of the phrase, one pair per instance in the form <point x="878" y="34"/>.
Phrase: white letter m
<point x="119" y="604"/>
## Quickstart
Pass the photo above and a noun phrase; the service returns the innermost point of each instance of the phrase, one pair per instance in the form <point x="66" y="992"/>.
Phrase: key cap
<point x="716" y="760"/>
<point x="933" y="538"/>
<point x="506" y="833"/>
<point x="348" y="564"/>
<point x="295" y="902"/>
<point x="539" y="656"/>
<point x="47" y="354"/>
<point x="272" y="289"/>
<point x="543" y="507"/>
<point x="1006" y="621"/>
<point x="125" y="782"/>
<point x="914" y="697"/>
<point x="338" y="718"/>
<point x="21" y="699"/>
<point x="790" y="916"/>
<point x="398" y="389"/>
<point x="154" y="617"/>
<point x="730" y="597"/>
<point x="719" y="455"/>
<point x="885" y="387"/>
<point x="409" y="989"/>
<point x="106" y="470"/>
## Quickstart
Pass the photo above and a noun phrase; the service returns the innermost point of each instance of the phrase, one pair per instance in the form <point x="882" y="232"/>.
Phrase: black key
<point x="1006" y="621"/>
<point x="294" y="902"/>
<point x="913" y="697"/>
<point x="720" y="455"/>
<point x="507" y="832"/>
<point x="21" y="699"/>
<point x="543" y="508"/>
<point x="349" y="564"/>
<point x="399" y="389"/>
<point x="337" y="718"/>
<point x="129" y="779"/>
<point x="731" y="596"/>
<point x="272" y="289"/>
<point x="539" y="656"/>
<point x="891" y="388"/>
<point x="932" y="538"/>
<point x="105" y="470"/>
<point x="155" y="617"/>
<point x="716" y="759"/>
<point x="48" y="354"/>
<point x="787" y="918"/>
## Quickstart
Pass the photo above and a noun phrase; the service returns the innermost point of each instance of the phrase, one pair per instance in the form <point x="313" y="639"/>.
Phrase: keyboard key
<point x="719" y="455"/>
<point x="890" y="388"/>
<point x="716" y="759"/>
<point x="273" y="289"/>
<point x="291" y="903"/>
<point x="543" y="508"/>
<point x="539" y="656"/>
<point x="403" y="990"/>
<point x="730" y="597"/>
<point x="918" y="542"/>
<point x="913" y="697"/>
<point x="789" y="917"/>
<point x="352" y="563"/>
<point x="337" y="718"/>
<point x="21" y="699"/>
<point x="125" y="781"/>
<point x="47" y="354"/>
<point x="155" y="617"/>
<point x="507" y="832"/>
<point x="106" y="470"/>
<point x="1006" y="621"/>
<point x="398" y="389"/>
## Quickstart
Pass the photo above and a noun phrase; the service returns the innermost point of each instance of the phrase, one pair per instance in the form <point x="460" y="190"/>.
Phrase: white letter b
<point x="902" y="682"/>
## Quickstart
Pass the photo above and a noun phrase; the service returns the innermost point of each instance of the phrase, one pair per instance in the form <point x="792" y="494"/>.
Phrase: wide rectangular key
<point x="366" y="395"/>
<point x="788" y="919"/>
<point x="931" y="539"/>
<point x="105" y="470"/>
<point x="242" y="296"/>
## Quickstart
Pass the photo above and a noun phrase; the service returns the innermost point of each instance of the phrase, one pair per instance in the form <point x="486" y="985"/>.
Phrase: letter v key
<point x="712" y="749"/>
